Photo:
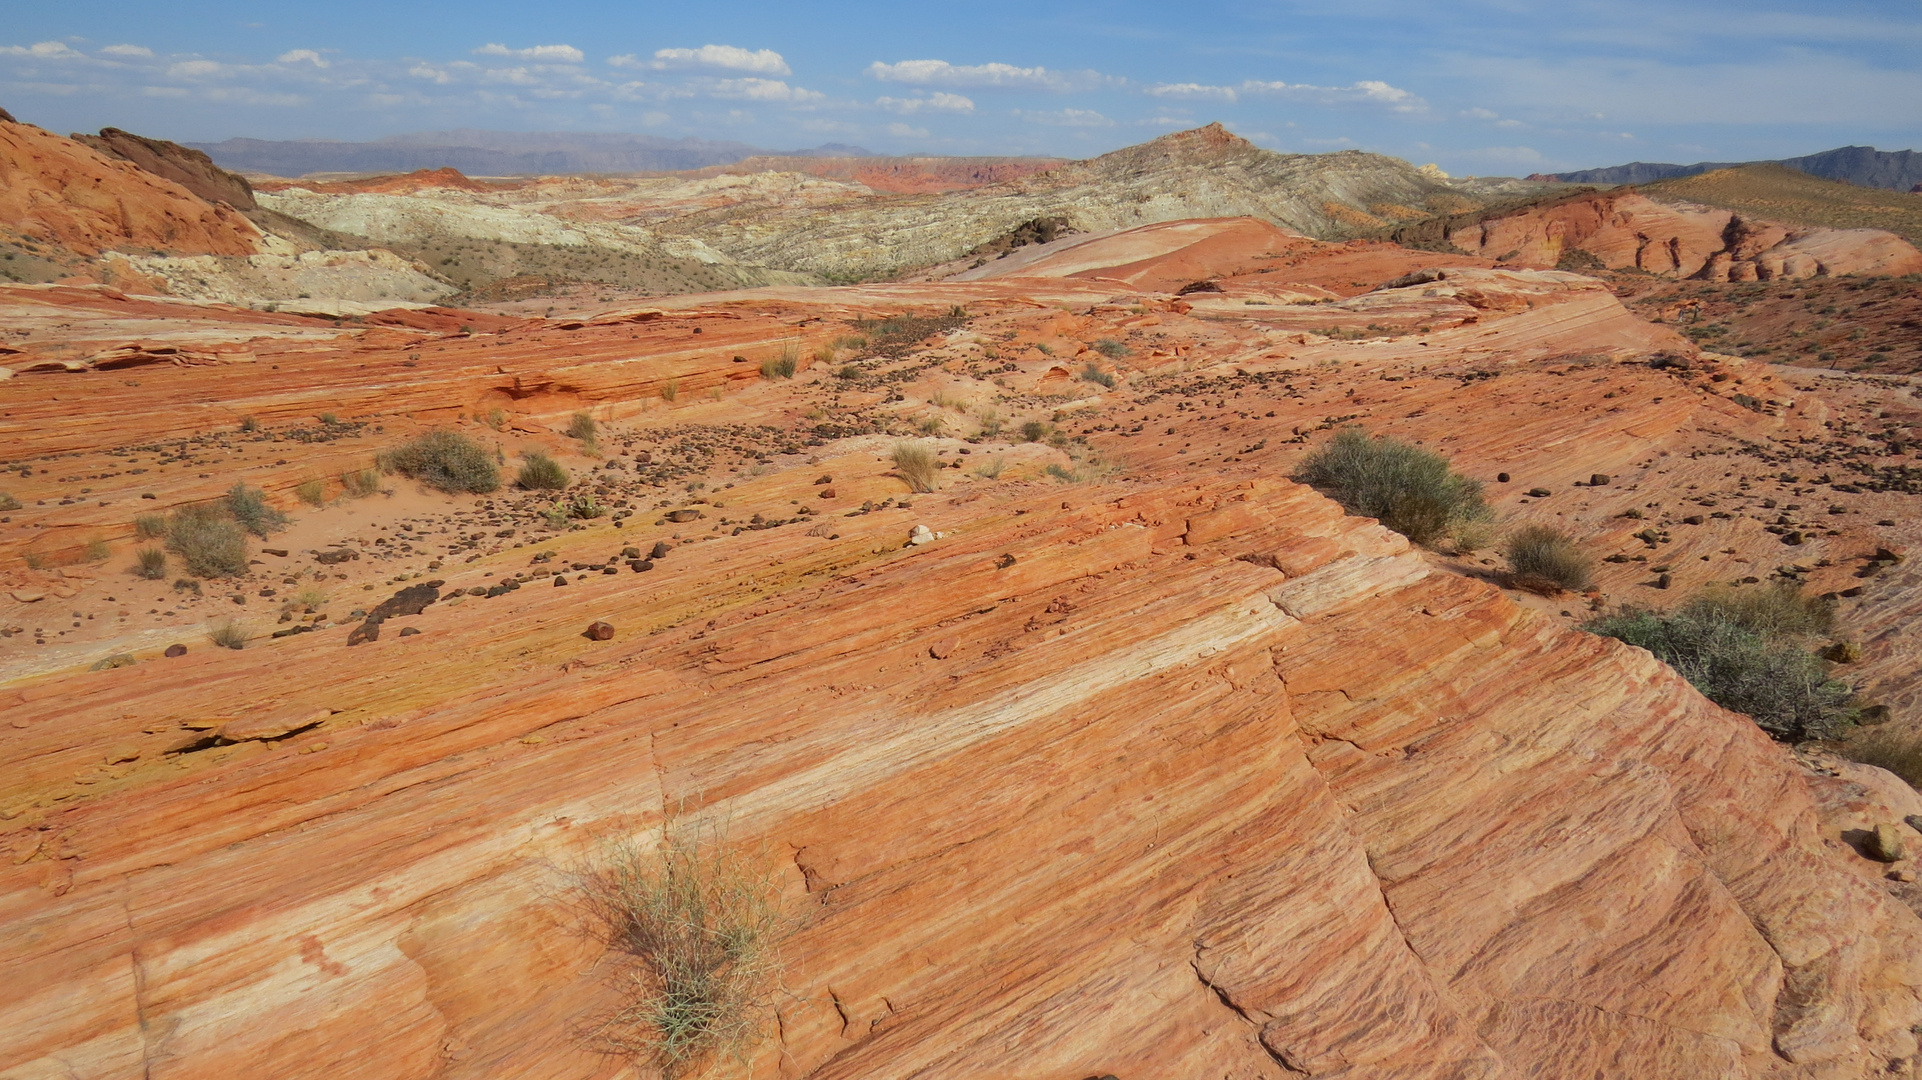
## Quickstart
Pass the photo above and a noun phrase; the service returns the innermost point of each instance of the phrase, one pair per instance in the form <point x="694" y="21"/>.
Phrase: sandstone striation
<point x="1142" y="761"/>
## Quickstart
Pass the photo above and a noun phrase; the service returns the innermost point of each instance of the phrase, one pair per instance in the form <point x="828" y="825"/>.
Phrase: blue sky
<point x="1478" y="86"/>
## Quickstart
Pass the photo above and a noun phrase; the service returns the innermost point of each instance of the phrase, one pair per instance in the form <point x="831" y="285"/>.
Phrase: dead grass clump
<point x="210" y="543"/>
<point x="582" y="426"/>
<point x="8" y="502"/>
<point x="312" y="492"/>
<point x="360" y="483"/>
<point x="782" y="365"/>
<point x="1901" y="755"/>
<point x="916" y="463"/>
<point x="150" y="563"/>
<point x="1542" y="554"/>
<point x="228" y="633"/>
<point x="446" y="460"/>
<point x="701" y="925"/>
<point x="150" y="526"/>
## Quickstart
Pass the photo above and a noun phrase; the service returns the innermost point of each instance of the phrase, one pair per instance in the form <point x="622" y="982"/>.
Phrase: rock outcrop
<point x="58" y="191"/>
<point x="1630" y="230"/>
<point x="190" y="168"/>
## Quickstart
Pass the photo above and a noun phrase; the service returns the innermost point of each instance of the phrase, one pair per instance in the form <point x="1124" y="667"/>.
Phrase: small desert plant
<point x="446" y="460"/>
<point x="557" y="516"/>
<point x="249" y="424"/>
<point x="1411" y="490"/>
<point x="916" y="463"/>
<point x="150" y="563"/>
<point x="541" y="473"/>
<point x="582" y="426"/>
<point x="250" y="508"/>
<point x="360" y="483"/>
<point x="1113" y="350"/>
<point x="1035" y="431"/>
<point x="1728" y="651"/>
<point x="1900" y="754"/>
<point x="1093" y="373"/>
<point x="991" y="421"/>
<point x="1044" y="348"/>
<point x="328" y="419"/>
<point x="209" y="543"/>
<point x="782" y="365"/>
<point x="931" y="425"/>
<point x="824" y="354"/>
<point x="228" y="633"/>
<point x="312" y="492"/>
<point x="98" y="551"/>
<point x="1778" y="610"/>
<point x="702" y="926"/>
<point x="495" y="418"/>
<point x="585" y="505"/>
<point x="671" y="391"/>
<point x="1548" y="554"/>
<point x="8" y="502"/>
<point x="848" y="371"/>
<point x="150" y="526"/>
<point x="990" y="469"/>
<point x="310" y="598"/>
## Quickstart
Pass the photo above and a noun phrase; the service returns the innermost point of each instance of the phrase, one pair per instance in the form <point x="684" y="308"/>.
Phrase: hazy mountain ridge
<point x="1865" y="166"/>
<point x="492" y="153"/>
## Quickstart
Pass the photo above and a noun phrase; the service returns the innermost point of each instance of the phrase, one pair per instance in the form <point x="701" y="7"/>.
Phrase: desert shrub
<point x="98" y="551"/>
<point x="150" y="526"/>
<point x="228" y="633"/>
<point x="249" y="424"/>
<point x="990" y="469"/>
<point x="150" y="563"/>
<point x="1741" y="665"/>
<point x="1411" y="490"/>
<point x="328" y="419"/>
<point x="930" y="425"/>
<point x="848" y="371"/>
<point x="781" y="366"/>
<point x="360" y="483"/>
<point x="495" y="418"/>
<point x="541" y="473"/>
<point x="1778" y="610"/>
<point x="209" y="542"/>
<point x="446" y="460"/>
<point x="1548" y="554"/>
<point x="584" y="505"/>
<point x="250" y="508"/>
<point x="991" y="421"/>
<point x="916" y="463"/>
<point x="8" y="502"/>
<point x="312" y="492"/>
<point x="1092" y="373"/>
<point x="1113" y="350"/>
<point x="582" y="426"/>
<point x="824" y="354"/>
<point x="671" y="391"/>
<point x="702" y="925"/>
<point x="1035" y="431"/>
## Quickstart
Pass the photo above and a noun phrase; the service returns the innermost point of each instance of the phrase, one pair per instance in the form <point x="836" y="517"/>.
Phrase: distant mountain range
<point x="493" y="153"/>
<point x="1863" y="166"/>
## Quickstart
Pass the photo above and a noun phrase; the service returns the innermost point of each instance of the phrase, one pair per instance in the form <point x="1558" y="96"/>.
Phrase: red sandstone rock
<point x="191" y="169"/>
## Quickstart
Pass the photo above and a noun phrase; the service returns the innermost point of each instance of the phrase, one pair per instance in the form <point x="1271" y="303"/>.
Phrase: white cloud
<point x="1194" y="91"/>
<point x="562" y="54"/>
<point x="1481" y="114"/>
<point x="196" y="69"/>
<point x="126" y="50"/>
<point x="761" y="90"/>
<point x="984" y="76"/>
<point x="1066" y="118"/>
<point x="724" y="57"/>
<point x="939" y="101"/>
<point x="907" y="131"/>
<point x="45" y="50"/>
<point x="433" y="74"/>
<point x="1365" y="92"/>
<point x="302" y="56"/>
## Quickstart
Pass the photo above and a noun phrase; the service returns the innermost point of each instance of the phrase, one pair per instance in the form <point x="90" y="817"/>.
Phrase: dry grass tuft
<point x="917" y="464"/>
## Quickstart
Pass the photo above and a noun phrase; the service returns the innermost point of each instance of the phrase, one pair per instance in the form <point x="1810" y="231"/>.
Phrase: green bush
<point x="150" y="526"/>
<point x="1113" y="350"/>
<point x="1035" y="431"/>
<point x="446" y="460"/>
<point x="702" y="927"/>
<point x="916" y="463"/>
<point x="1411" y="490"/>
<point x="541" y="473"/>
<point x="250" y="508"/>
<point x="1728" y="651"/>
<point x="210" y="543"/>
<point x="1093" y="373"/>
<point x="1547" y="554"/>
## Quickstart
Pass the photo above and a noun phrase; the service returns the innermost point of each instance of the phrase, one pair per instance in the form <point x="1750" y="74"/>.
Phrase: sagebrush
<point x="1550" y="555"/>
<point x="541" y="473"/>
<point x="446" y="460"/>
<point x="1411" y="490"/>
<point x="209" y="542"/>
